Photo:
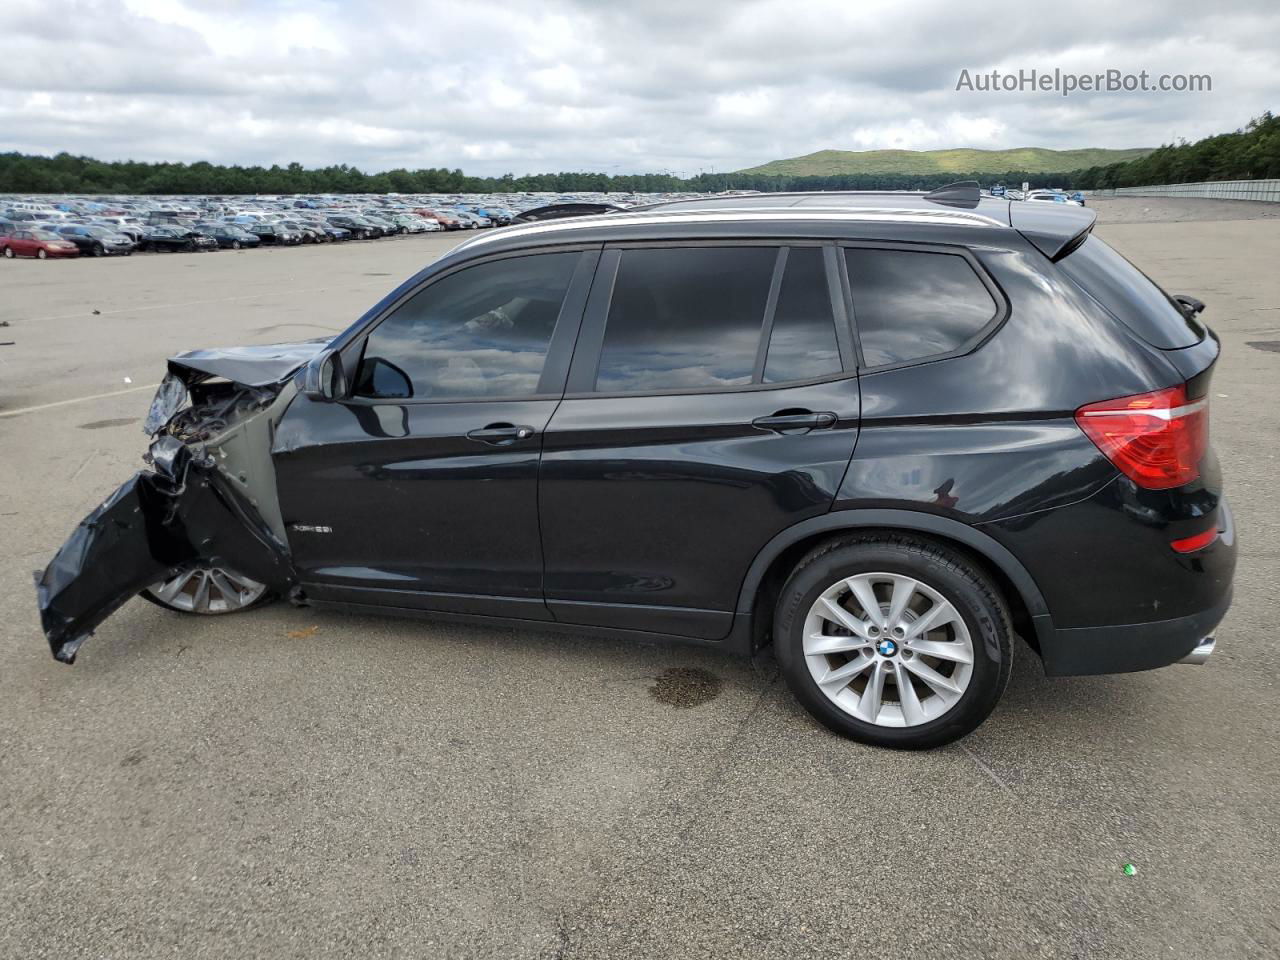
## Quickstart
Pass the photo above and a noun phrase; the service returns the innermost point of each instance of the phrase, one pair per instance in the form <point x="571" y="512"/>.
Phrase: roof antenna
<point x="963" y="193"/>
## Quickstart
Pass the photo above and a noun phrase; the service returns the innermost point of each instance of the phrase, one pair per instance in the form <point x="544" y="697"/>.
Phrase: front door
<point x="419" y="490"/>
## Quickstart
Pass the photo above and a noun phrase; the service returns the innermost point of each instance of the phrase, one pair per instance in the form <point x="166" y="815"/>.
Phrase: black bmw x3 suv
<point x="884" y="433"/>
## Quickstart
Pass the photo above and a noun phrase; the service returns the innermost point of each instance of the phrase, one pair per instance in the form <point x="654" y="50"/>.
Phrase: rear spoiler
<point x="1054" y="229"/>
<point x="559" y="211"/>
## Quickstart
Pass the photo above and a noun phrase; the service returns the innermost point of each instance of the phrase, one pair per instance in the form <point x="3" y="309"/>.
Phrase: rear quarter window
<point x="1130" y="296"/>
<point x="914" y="305"/>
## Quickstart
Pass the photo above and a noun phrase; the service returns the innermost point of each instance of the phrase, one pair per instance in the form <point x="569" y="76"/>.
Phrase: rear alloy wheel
<point x="208" y="591"/>
<point x="8" y="253"/>
<point x="893" y="641"/>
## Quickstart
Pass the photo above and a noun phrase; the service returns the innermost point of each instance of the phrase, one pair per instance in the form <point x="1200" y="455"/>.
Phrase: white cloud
<point x="494" y="87"/>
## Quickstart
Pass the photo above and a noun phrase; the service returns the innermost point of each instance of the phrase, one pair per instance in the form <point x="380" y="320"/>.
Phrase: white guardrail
<point x="1214" y="190"/>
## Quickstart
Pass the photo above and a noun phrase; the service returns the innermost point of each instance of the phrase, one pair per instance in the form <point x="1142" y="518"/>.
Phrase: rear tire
<point x="8" y="253"/>
<point x="946" y="636"/>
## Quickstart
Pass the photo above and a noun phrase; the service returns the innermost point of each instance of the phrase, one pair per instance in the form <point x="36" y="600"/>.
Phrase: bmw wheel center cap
<point x="886" y="647"/>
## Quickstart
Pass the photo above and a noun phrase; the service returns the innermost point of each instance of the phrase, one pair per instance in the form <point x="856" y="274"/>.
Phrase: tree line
<point x="1247" y="154"/>
<point x="1251" y="153"/>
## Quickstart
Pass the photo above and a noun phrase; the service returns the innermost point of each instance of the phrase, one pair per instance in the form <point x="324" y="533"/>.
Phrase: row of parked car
<point x="37" y="227"/>
<point x="1055" y="195"/>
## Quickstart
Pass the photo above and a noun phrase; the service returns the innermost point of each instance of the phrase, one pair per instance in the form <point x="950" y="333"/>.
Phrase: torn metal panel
<point x="257" y="366"/>
<point x="153" y="527"/>
<point x="169" y="399"/>
<point x="210" y="501"/>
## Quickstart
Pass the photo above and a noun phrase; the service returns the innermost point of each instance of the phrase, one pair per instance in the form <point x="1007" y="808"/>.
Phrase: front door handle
<point x="501" y="434"/>
<point x="795" y="421"/>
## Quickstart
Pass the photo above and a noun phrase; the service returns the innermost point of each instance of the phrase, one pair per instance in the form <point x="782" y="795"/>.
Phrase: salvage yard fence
<point x="1213" y="190"/>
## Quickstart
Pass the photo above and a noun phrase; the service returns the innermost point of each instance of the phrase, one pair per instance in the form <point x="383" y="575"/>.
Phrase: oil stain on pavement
<point x="101" y="424"/>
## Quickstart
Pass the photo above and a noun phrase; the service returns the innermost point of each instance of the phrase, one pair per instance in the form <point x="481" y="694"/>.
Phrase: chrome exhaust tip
<point x="1201" y="652"/>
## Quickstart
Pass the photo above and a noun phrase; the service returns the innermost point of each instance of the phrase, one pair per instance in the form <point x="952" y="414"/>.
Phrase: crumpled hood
<point x="257" y="366"/>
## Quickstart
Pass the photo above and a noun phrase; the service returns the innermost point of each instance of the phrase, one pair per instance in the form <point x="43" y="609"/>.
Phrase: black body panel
<point x="411" y="502"/>
<point x="665" y="501"/>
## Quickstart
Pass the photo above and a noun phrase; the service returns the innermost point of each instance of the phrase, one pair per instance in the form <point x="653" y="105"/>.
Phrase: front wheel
<point x="235" y="244"/>
<point x="98" y="250"/>
<point x="893" y="641"/>
<point x="208" y="592"/>
<point x="41" y="255"/>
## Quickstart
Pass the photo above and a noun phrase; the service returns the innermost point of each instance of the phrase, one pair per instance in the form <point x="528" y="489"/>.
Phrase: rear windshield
<point x="1131" y="296"/>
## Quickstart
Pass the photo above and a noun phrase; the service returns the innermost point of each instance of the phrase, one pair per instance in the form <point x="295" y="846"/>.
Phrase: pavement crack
<point x="981" y="764"/>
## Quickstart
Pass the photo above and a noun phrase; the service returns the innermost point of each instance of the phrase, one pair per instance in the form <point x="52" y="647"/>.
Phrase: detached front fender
<point x="153" y="527"/>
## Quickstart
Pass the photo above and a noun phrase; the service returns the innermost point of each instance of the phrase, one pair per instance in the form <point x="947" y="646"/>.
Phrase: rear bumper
<point x="1130" y="647"/>
<point x="1126" y="648"/>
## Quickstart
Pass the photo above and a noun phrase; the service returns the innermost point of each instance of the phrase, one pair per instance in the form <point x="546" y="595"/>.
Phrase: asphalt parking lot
<point x="292" y="784"/>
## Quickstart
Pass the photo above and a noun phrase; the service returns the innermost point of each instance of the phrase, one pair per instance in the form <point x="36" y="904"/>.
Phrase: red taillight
<point x="1156" y="439"/>
<point x="1197" y="542"/>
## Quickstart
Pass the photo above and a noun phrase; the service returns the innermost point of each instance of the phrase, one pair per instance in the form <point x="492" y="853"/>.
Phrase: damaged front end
<point x="208" y="502"/>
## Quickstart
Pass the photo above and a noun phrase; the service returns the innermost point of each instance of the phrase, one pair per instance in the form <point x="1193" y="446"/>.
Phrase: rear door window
<point x="915" y="305"/>
<point x="1130" y="296"/>
<point x="685" y="318"/>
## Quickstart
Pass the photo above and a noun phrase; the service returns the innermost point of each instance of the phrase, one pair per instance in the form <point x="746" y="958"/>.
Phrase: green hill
<point x="1028" y="159"/>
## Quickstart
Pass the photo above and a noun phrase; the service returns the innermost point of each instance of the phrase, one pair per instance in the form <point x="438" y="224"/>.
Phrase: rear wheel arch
<point x="779" y="557"/>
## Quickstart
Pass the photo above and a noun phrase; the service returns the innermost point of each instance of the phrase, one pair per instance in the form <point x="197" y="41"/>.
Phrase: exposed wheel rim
<point x="888" y="649"/>
<point x="8" y="252"/>
<point x="40" y="255"/>
<point x="212" y="591"/>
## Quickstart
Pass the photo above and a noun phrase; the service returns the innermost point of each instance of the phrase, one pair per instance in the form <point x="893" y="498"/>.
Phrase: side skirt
<point x="737" y="642"/>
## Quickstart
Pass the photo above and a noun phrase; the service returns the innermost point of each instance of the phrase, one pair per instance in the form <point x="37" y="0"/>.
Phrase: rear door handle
<point x="501" y="434"/>
<point x="795" y="421"/>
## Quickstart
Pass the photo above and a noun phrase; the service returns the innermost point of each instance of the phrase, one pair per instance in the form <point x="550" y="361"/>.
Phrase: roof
<point x="894" y="214"/>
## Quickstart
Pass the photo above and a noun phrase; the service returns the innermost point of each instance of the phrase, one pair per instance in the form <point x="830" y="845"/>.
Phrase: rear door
<point x="712" y="403"/>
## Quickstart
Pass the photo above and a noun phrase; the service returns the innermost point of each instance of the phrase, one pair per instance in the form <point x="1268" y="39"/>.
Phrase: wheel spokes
<point x="904" y="588"/>
<point x="862" y="591"/>
<point x="831" y="610"/>
<point x="231" y="593"/>
<point x="873" y="696"/>
<point x="888" y="649"/>
<point x="943" y="686"/>
<point x="912" y="711"/>
<point x="942" y="649"/>
<point x="175" y="586"/>
<point x="200" y="602"/>
<point x="839" y="678"/>
<point x="939" y="615"/>
<point x="822" y="643"/>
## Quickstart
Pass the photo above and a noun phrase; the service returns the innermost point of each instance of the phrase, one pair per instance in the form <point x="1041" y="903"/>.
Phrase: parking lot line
<point x="195" y="303"/>
<point x="62" y="403"/>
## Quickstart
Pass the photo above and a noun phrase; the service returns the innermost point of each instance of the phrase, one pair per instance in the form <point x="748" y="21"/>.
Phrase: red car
<point x="36" y="243"/>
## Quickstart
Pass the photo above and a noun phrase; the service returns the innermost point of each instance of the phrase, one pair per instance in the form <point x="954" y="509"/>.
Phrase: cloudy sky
<point x="496" y="86"/>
